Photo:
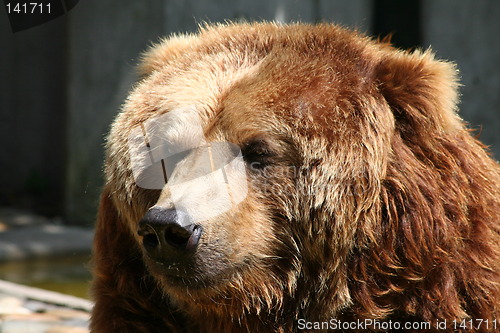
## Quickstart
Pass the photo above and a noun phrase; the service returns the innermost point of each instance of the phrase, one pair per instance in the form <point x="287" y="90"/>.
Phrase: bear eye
<point x="257" y="154"/>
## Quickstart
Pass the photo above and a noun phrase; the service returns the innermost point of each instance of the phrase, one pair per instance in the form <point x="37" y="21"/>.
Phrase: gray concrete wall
<point x="355" y="14"/>
<point x="32" y="100"/>
<point x="467" y="33"/>
<point x="185" y="15"/>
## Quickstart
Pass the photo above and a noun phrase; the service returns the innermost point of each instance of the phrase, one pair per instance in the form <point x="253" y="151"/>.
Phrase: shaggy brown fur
<point x="389" y="209"/>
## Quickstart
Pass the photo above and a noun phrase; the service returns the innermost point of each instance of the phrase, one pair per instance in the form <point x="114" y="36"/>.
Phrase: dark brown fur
<point x="389" y="209"/>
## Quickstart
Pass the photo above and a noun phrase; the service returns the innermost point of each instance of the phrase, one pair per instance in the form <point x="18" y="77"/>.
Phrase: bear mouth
<point x="187" y="273"/>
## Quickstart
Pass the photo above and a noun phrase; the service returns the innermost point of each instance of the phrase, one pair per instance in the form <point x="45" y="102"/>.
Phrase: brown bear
<point x="282" y="178"/>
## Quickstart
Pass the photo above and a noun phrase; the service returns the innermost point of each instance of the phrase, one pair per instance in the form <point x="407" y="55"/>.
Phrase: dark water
<point x="68" y="275"/>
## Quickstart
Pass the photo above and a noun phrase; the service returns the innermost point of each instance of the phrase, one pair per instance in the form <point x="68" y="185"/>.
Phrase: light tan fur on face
<point x="370" y="198"/>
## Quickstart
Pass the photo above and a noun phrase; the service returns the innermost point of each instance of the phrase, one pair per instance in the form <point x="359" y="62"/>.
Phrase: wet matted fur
<point x="370" y="199"/>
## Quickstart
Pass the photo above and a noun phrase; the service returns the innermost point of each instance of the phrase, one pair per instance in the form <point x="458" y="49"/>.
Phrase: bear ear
<point x="164" y="52"/>
<point x="421" y="91"/>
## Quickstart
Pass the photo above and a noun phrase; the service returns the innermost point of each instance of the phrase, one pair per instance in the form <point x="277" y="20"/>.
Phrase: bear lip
<point x="182" y="274"/>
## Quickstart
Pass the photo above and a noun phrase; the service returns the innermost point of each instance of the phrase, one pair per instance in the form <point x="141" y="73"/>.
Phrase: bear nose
<point x="168" y="232"/>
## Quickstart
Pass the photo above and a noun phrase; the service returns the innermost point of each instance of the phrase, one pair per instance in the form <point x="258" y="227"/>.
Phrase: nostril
<point x="184" y="238"/>
<point x="150" y="241"/>
<point x="176" y="236"/>
<point x="149" y="238"/>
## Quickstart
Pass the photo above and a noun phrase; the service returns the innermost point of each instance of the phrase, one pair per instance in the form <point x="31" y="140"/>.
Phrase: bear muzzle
<point x="169" y="235"/>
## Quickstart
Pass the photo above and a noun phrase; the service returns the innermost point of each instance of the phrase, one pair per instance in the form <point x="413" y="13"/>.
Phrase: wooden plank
<point x="45" y="296"/>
